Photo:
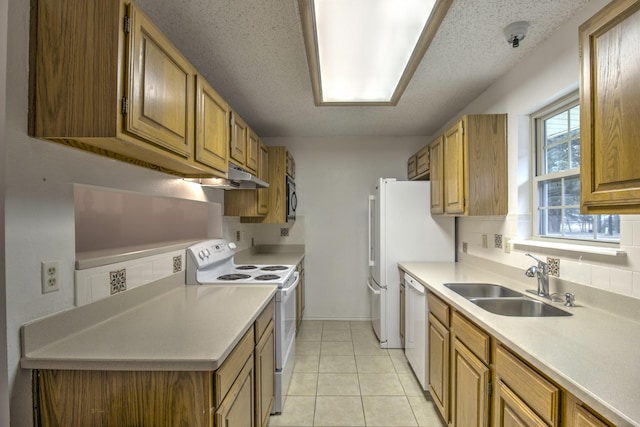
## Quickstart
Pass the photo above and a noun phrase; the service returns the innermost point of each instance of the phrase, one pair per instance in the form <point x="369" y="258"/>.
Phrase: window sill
<point x="569" y="247"/>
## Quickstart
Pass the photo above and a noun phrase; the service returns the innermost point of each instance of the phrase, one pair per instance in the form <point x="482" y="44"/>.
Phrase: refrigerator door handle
<point x="375" y="291"/>
<point x="372" y="200"/>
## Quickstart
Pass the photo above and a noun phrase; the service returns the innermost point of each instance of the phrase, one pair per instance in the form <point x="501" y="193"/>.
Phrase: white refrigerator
<point x="401" y="228"/>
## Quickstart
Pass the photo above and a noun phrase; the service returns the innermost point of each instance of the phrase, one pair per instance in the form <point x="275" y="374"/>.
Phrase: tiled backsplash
<point x="620" y="274"/>
<point x="96" y="283"/>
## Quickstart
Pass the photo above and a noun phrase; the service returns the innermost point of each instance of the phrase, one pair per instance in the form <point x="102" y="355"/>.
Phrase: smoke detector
<point x="516" y="32"/>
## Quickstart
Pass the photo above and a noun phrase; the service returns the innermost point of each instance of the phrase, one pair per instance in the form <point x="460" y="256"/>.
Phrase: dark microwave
<point x="292" y="199"/>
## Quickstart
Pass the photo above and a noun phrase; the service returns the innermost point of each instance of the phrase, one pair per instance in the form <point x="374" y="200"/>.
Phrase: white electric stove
<point x="212" y="263"/>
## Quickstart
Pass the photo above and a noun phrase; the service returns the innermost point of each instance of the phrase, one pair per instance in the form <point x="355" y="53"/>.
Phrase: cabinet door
<point x="454" y="197"/>
<point x="437" y="176"/>
<point x="212" y="127"/>
<point x="422" y="161"/>
<point x="159" y="87"/>
<point x="238" y="143"/>
<point x="263" y="174"/>
<point x="438" y="363"/>
<point x="237" y="408"/>
<point x="253" y="152"/>
<point x="470" y="388"/>
<point x="264" y="372"/>
<point x="412" y="170"/>
<point x="513" y="412"/>
<point x="584" y="418"/>
<point x="610" y="107"/>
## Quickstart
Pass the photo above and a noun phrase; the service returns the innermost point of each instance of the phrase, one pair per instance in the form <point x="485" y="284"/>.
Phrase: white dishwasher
<point x="415" y="339"/>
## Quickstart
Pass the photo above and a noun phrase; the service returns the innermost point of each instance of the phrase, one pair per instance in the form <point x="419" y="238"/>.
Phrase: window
<point x="556" y="185"/>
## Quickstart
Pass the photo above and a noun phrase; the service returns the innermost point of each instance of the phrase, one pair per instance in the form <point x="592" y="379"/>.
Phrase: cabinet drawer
<point x="473" y="337"/>
<point x="439" y="309"/>
<point x="224" y="377"/>
<point x="539" y="394"/>
<point x="263" y="320"/>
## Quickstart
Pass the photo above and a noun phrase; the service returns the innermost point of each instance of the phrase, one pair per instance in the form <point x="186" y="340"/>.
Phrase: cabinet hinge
<point x="125" y="106"/>
<point x="490" y="389"/>
<point x="127" y="24"/>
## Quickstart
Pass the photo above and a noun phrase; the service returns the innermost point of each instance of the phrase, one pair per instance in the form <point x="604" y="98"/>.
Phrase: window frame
<point x="537" y="120"/>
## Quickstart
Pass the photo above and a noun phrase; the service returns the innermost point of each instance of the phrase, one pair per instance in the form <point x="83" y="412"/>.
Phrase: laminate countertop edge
<point x="184" y="328"/>
<point x="591" y="354"/>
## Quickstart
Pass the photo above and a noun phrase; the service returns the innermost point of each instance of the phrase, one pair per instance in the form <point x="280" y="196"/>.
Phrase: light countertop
<point x="162" y="326"/>
<point x="271" y="254"/>
<point x="592" y="354"/>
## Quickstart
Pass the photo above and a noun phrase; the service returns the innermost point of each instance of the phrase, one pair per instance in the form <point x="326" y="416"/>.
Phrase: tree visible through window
<point x="557" y="180"/>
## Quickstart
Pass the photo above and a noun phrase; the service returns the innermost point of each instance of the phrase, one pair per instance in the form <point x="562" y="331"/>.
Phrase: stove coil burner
<point x="246" y="267"/>
<point x="233" y="277"/>
<point x="267" y="277"/>
<point x="274" y="268"/>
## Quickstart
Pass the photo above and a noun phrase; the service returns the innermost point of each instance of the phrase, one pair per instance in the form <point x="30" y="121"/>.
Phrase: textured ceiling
<point x="252" y="52"/>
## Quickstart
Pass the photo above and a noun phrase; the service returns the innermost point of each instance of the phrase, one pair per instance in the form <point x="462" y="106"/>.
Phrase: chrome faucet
<point x="541" y="272"/>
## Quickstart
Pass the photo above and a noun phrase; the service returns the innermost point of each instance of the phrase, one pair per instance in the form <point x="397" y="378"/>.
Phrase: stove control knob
<point x="201" y="255"/>
<point x="232" y="245"/>
<point x="207" y="253"/>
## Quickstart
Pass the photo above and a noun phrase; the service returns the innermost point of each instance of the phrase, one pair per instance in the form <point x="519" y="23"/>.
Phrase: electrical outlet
<point x="50" y="282"/>
<point x="465" y="247"/>
<point x="484" y="241"/>
<point x="238" y="236"/>
<point x="507" y="245"/>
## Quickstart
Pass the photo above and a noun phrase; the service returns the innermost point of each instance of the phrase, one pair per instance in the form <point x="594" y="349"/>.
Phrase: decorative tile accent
<point x="465" y="246"/>
<point x="498" y="241"/>
<point x="554" y="266"/>
<point x="284" y="232"/>
<point x="118" y="280"/>
<point x="177" y="264"/>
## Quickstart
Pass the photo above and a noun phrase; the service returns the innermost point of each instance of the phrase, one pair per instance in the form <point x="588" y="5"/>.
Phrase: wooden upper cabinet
<point x="412" y="170"/>
<point x="253" y="152"/>
<point x="238" y="143"/>
<point x="610" y="109"/>
<point x="212" y="127"/>
<point x="437" y="176"/>
<point x="263" y="174"/>
<point x="104" y="79"/>
<point x="160" y="88"/>
<point x="454" y="170"/>
<point x="474" y="165"/>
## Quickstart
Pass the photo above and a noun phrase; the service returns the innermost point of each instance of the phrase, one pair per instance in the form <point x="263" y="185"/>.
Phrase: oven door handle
<point x="292" y="286"/>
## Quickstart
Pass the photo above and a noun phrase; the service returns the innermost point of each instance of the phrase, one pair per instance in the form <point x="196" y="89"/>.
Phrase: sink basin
<point x="521" y="307"/>
<point x="482" y="290"/>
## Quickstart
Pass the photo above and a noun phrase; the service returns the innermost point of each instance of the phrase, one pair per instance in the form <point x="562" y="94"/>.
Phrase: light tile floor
<point x="343" y="378"/>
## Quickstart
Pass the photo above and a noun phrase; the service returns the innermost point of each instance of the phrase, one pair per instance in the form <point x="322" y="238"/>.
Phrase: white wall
<point x="39" y="215"/>
<point x="333" y="179"/>
<point x="548" y="73"/>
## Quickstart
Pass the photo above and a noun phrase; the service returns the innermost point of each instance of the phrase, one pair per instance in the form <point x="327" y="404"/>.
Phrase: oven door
<point x="285" y="322"/>
<point x="292" y="199"/>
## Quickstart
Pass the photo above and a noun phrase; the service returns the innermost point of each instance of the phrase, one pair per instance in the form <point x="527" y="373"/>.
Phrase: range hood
<point x="236" y="179"/>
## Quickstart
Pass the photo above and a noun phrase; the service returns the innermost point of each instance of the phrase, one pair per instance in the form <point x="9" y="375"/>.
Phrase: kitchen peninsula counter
<point x="162" y="326"/>
<point x="592" y="354"/>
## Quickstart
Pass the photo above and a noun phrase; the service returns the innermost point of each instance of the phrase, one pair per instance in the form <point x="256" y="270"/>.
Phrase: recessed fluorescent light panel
<point x="366" y="51"/>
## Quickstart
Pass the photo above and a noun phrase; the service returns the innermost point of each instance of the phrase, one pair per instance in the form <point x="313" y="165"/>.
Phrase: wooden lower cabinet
<point x="300" y="295"/>
<point x="239" y="393"/>
<point x="577" y="414"/>
<point x="511" y="411"/>
<point x="402" y="309"/>
<point x="520" y="390"/>
<point x="469" y="388"/>
<point x="438" y="339"/>
<point x="237" y="408"/>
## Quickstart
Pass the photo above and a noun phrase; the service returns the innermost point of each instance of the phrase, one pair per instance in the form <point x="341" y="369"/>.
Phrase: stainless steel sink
<point x="521" y="307"/>
<point x="482" y="290"/>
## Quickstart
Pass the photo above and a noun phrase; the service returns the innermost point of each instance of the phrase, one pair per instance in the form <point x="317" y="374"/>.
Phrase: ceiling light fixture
<point x="516" y="32"/>
<point x="364" y="52"/>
